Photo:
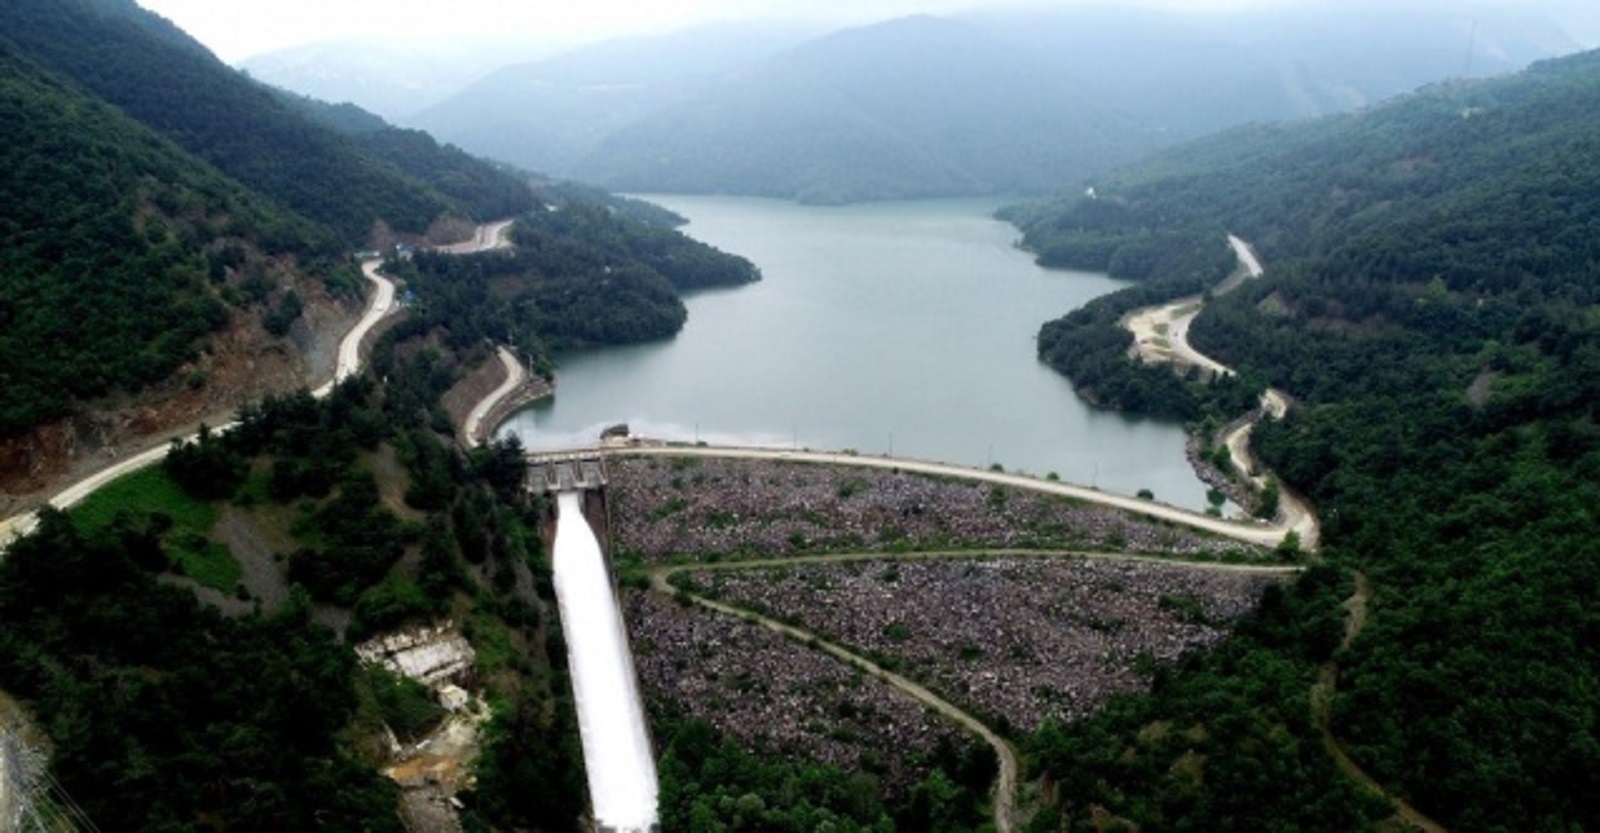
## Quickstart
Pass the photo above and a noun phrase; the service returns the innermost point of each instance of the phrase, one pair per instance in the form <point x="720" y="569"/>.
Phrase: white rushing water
<point x="616" y="749"/>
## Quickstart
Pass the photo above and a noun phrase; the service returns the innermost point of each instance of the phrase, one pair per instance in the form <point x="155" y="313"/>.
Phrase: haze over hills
<point x="156" y="74"/>
<point x="1187" y="75"/>
<point x="997" y="102"/>
<point x="547" y="115"/>
<point x="911" y="108"/>
<point x="394" y="80"/>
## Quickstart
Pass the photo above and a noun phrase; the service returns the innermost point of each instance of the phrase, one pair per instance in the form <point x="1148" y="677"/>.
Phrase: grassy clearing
<point x="150" y="491"/>
<point x="204" y="560"/>
<point x="144" y="492"/>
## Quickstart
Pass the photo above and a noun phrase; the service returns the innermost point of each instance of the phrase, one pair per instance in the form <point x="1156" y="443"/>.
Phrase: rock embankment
<point x="435" y="768"/>
<point x="770" y="692"/>
<point x="711" y="509"/>
<point x="1015" y="640"/>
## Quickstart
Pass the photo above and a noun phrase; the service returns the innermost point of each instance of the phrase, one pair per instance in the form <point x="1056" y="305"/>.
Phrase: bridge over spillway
<point x="616" y="742"/>
<point x="556" y="473"/>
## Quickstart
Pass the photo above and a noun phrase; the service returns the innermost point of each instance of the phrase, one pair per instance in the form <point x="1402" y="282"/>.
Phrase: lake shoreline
<point x="865" y="319"/>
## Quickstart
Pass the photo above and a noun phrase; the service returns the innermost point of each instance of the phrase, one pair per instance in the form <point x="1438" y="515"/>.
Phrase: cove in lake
<point x="889" y="328"/>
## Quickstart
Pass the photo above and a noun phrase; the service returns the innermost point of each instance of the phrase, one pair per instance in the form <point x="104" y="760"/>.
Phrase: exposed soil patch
<point x="256" y="550"/>
<point x="238" y="365"/>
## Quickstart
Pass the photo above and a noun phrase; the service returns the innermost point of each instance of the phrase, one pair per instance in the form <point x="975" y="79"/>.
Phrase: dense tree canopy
<point x="1430" y="301"/>
<point x="160" y="77"/>
<point x="582" y="273"/>
<point x="103" y="221"/>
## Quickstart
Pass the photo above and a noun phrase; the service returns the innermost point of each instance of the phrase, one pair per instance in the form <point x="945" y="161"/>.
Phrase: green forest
<point x="160" y="77"/>
<point x="163" y="196"/>
<point x="169" y="713"/>
<point x="583" y="273"/>
<point x="1430" y="305"/>
<point x="103" y="220"/>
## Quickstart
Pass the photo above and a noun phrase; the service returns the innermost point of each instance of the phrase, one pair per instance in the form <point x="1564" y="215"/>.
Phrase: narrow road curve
<point x="348" y="363"/>
<point x="1161" y="335"/>
<point x="489" y="236"/>
<point x="1005" y="785"/>
<point x="516" y="374"/>
<point x="378" y="307"/>
<point x="1261" y="534"/>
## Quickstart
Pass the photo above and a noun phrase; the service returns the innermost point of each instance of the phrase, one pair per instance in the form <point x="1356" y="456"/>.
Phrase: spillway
<point x="616" y="747"/>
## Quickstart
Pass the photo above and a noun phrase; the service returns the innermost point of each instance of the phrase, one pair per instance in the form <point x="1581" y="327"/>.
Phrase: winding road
<point x="516" y="374"/>
<point x="1161" y="335"/>
<point x="348" y="363"/>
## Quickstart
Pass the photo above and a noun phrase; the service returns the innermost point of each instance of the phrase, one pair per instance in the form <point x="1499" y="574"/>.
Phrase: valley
<point x="1243" y="479"/>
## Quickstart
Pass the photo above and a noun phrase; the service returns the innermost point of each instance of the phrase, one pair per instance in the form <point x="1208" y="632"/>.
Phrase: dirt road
<point x="1005" y="786"/>
<point x="379" y="306"/>
<point x="489" y="236"/>
<point x="1161" y="334"/>
<point x="516" y="374"/>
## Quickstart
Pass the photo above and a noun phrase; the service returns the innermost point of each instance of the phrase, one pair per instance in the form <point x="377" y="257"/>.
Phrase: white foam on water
<point x="616" y="748"/>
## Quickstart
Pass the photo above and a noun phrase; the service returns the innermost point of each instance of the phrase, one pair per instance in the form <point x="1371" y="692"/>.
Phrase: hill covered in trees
<point x="586" y="271"/>
<point x="1430" y="303"/>
<point x="104" y="222"/>
<point x="156" y="203"/>
<point x="159" y="76"/>
<point x="189" y="675"/>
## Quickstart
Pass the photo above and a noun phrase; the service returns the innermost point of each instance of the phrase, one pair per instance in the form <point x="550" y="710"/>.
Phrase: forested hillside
<point x="157" y="75"/>
<point x="312" y="524"/>
<point x="490" y="192"/>
<point x="1431" y="302"/>
<point x="190" y="677"/>
<point x="154" y="202"/>
<point x="104" y="222"/>
<point x="583" y="274"/>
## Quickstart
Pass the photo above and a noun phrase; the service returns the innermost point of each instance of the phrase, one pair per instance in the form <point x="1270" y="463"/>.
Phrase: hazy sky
<point x="237" y="29"/>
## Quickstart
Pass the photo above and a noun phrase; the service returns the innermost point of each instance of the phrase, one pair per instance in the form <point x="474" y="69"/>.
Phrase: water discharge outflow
<point x="616" y="748"/>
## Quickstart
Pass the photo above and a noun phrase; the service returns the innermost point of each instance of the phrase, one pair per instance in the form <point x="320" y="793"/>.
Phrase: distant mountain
<point x="548" y="114"/>
<point x="485" y="189"/>
<point x="910" y="108"/>
<point x="394" y="80"/>
<point x="999" y="102"/>
<point x="1185" y="75"/>
<point x="161" y="77"/>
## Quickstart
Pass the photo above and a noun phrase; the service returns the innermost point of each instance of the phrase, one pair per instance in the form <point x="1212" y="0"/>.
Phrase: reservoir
<point x="890" y="328"/>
